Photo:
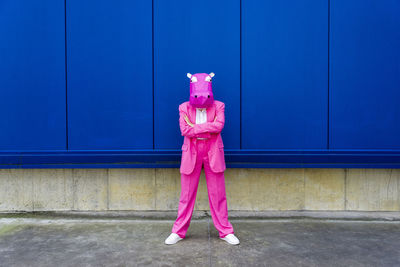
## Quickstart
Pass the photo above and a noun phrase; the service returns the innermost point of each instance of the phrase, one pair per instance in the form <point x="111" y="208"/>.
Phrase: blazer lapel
<point x="211" y="113"/>
<point x="192" y="114"/>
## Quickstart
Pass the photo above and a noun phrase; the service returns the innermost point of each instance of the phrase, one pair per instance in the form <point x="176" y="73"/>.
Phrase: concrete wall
<point x="159" y="189"/>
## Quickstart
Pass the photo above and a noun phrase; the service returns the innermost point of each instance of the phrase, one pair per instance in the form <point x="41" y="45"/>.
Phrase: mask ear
<point x="189" y="75"/>
<point x="212" y="74"/>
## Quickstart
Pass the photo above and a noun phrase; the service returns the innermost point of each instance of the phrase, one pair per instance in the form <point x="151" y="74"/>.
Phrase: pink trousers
<point x="216" y="195"/>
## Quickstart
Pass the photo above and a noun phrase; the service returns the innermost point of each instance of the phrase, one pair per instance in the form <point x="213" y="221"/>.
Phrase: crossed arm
<point x="202" y="130"/>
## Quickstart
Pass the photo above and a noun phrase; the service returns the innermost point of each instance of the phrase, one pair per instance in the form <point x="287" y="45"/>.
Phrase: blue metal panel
<point x="285" y="74"/>
<point x="32" y="75"/>
<point x="365" y="74"/>
<point x="195" y="36"/>
<point x="283" y="64"/>
<point x="110" y="101"/>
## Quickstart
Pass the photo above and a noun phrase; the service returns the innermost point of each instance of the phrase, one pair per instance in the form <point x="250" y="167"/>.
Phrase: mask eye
<point x="193" y="80"/>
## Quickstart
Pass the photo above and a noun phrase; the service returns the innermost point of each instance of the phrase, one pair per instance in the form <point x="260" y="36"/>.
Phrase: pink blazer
<point x="211" y="129"/>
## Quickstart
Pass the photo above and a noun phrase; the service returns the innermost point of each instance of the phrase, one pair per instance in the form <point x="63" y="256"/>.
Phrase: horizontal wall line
<point x="171" y="158"/>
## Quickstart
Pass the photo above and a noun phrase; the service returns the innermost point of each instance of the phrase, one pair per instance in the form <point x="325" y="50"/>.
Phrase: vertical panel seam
<point x="304" y="189"/>
<point x="240" y="73"/>
<point x="108" y="189"/>
<point x="74" y="187"/>
<point x="152" y="64"/>
<point x="66" y="73"/>
<point x="329" y="27"/>
<point x="345" y="189"/>
<point x="155" y="188"/>
<point x="33" y="192"/>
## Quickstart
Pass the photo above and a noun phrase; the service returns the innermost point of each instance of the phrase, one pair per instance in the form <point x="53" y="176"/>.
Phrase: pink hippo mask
<point x="201" y="95"/>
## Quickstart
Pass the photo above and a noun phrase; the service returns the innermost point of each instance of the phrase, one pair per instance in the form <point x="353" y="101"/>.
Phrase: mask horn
<point x="212" y="74"/>
<point x="189" y="75"/>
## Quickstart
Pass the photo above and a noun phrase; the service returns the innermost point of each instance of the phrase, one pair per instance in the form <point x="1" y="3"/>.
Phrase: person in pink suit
<point x="201" y="120"/>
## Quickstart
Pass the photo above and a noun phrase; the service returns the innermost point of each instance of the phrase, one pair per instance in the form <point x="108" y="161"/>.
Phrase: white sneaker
<point x="172" y="239"/>
<point x="231" y="239"/>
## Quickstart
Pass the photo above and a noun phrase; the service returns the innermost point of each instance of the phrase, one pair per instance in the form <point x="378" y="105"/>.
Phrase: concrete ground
<point x="137" y="239"/>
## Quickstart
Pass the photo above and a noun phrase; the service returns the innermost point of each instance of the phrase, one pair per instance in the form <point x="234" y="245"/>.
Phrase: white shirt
<point x="201" y="115"/>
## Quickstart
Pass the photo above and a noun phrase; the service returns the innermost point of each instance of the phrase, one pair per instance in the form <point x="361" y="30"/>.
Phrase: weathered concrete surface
<point x="261" y="189"/>
<point x="324" y="189"/>
<point x="159" y="189"/>
<point x="56" y="193"/>
<point x="73" y="241"/>
<point x="132" y="189"/>
<point x="90" y="189"/>
<point x="376" y="189"/>
<point x="16" y="189"/>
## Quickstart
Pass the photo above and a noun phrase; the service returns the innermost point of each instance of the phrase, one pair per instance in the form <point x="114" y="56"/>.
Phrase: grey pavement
<point x="137" y="239"/>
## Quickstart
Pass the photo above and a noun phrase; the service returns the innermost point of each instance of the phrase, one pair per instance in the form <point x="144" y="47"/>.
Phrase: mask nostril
<point x="208" y="96"/>
<point x="195" y="96"/>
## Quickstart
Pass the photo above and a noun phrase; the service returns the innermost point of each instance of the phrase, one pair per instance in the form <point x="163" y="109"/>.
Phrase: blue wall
<point x="32" y="75"/>
<point x="98" y="83"/>
<point x="365" y="74"/>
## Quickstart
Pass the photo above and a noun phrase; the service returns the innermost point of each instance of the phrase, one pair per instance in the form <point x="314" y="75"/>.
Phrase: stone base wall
<point x="159" y="189"/>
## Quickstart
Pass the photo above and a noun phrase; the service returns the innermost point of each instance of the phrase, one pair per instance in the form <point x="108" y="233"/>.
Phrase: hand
<point x="188" y="121"/>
